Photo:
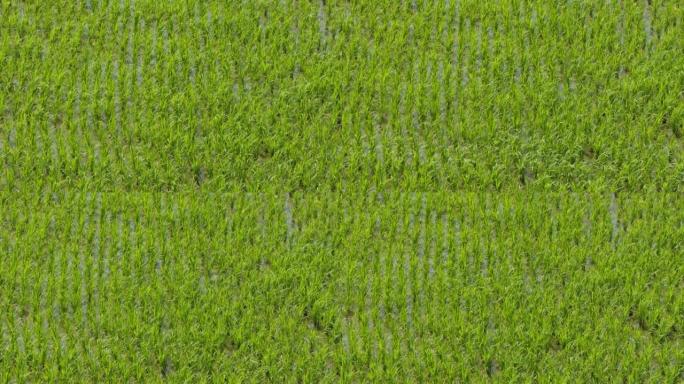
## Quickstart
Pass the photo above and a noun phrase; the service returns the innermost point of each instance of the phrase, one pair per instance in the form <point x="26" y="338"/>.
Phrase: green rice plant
<point x="319" y="287"/>
<point x="455" y="95"/>
<point x="341" y="191"/>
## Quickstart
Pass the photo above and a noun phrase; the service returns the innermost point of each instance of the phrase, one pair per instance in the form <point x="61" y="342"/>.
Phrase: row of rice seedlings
<point x="156" y="93"/>
<point x="360" y="287"/>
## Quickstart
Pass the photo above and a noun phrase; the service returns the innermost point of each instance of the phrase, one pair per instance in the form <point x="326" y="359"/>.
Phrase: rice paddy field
<point x="342" y="191"/>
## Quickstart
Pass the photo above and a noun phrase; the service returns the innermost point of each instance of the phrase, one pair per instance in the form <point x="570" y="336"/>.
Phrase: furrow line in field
<point x="379" y="149"/>
<point x="394" y="287"/>
<point x="484" y="251"/>
<point x="12" y="135"/>
<point x="408" y="291"/>
<point x="46" y="293"/>
<point x="369" y="308"/>
<point x="19" y="332"/>
<point x="365" y="141"/>
<point x="614" y="221"/>
<point x="140" y="64"/>
<point x="160" y="244"/>
<point x="16" y="293"/>
<point x="389" y="119"/>
<point x="4" y="306"/>
<point x="145" y="227"/>
<point x="385" y="330"/>
<point x="263" y="237"/>
<point x="38" y="141"/>
<point x="420" y="265"/>
<point x="469" y="270"/>
<point x="153" y="54"/>
<point x="78" y="95"/>
<point x="460" y="258"/>
<point x="455" y="58"/>
<point x="295" y="33"/>
<point x="289" y="220"/>
<point x="414" y="133"/>
<point x="465" y="54"/>
<point x="478" y="50"/>
<point x="129" y="56"/>
<point x="165" y="263"/>
<point x="107" y="255"/>
<point x="6" y="336"/>
<point x="91" y="136"/>
<point x="31" y="311"/>
<point x="178" y="79"/>
<point x="163" y="67"/>
<point x="378" y="308"/>
<point x="408" y="153"/>
<point x="621" y="26"/>
<point x="96" y="261"/>
<point x="420" y="131"/>
<point x="132" y="248"/>
<point x="432" y="255"/>
<point x="560" y="76"/>
<point x="443" y="105"/>
<point x="83" y="264"/>
<point x="587" y="229"/>
<point x="129" y="77"/>
<point x="493" y="37"/>
<point x="3" y="154"/>
<point x="52" y="138"/>
<point x="102" y="93"/>
<point x="347" y="311"/>
<point x="58" y="278"/>
<point x="323" y="24"/>
<point x="117" y="99"/>
<point x="444" y="264"/>
<point x="70" y="269"/>
<point x="117" y="269"/>
<point x="648" y="24"/>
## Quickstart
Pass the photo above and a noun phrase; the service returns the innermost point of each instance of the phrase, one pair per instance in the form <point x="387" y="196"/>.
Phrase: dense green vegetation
<point x="398" y="286"/>
<point x="342" y="191"/>
<point x="416" y="95"/>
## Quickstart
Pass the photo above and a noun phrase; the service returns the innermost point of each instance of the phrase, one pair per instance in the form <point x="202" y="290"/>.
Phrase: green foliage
<point x="311" y="287"/>
<point x="341" y="191"/>
<point x="291" y="95"/>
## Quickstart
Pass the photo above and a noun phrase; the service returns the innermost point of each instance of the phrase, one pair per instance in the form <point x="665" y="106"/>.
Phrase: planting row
<point x="278" y="287"/>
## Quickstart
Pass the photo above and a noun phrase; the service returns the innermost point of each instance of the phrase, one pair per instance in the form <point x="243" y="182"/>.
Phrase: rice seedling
<point x="341" y="191"/>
